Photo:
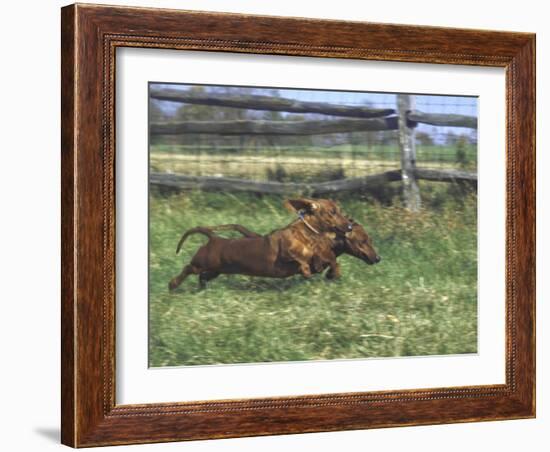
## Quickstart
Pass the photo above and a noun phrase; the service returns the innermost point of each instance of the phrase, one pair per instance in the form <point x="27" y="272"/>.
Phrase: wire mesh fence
<point x="301" y="157"/>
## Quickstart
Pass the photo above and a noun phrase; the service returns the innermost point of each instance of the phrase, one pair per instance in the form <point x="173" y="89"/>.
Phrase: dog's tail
<point x="198" y="230"/>
<point x="245" y="232"/>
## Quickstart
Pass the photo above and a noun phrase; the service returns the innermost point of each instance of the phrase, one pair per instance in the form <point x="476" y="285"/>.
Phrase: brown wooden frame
<point x="90" y="35"/>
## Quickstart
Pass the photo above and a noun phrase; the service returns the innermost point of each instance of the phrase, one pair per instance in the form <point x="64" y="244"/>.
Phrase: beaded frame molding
<point x="90" y="36"/>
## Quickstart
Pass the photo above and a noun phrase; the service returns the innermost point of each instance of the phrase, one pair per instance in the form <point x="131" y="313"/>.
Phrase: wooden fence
<point x="350" y="119"/>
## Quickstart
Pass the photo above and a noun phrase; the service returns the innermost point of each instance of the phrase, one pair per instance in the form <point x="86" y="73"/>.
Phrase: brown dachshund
<point x="328" y="247"/>
<point x="283" y="252"/>
<point x="311" y="251"/>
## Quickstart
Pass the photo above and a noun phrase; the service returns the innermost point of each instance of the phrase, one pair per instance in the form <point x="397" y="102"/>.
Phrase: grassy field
<point x="302" y="164"/>
<point x="420" y="300"/>
<point x="425" y="153"/>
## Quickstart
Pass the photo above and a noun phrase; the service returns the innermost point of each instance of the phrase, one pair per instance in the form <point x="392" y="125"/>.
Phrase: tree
<point x="424" y="139"/>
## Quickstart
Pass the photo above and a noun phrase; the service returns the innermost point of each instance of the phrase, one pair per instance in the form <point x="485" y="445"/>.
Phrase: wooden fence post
<point x="411" y="192"/>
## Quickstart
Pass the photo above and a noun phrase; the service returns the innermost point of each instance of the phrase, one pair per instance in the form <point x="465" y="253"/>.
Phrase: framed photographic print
<point x="281" y="225"/>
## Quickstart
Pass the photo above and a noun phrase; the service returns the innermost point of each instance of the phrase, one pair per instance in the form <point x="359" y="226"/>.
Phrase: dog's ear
<point x="304" y="204"/>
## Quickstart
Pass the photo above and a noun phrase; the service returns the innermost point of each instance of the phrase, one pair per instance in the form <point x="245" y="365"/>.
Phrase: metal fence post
<point x="411" y="192"/>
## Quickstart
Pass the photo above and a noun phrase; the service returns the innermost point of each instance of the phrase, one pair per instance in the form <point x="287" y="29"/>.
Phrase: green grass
<point x="420" y="300"/>
<point x="424" y="153"/>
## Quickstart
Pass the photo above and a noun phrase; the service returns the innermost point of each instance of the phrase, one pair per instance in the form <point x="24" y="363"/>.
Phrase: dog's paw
<point x="332" y="276"/>
<point x="172" y="285"/>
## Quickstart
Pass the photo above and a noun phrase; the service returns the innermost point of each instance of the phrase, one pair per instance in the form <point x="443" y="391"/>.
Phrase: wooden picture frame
<point x="90" y="36"/>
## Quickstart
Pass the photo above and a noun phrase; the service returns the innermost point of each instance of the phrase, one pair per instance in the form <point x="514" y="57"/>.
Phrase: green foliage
<point x="281" y="174"/>
<point x="278" y="174"/>
<point x="424" y="139"/>
<point x="420" y="300"/>
<point x="463" y="158"/>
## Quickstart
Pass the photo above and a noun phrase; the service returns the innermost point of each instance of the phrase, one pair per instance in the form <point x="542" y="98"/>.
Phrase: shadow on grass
<point x="251" y="284"/>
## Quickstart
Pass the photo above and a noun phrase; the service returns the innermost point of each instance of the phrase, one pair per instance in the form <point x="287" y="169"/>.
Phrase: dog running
<point x="310" y="244"/>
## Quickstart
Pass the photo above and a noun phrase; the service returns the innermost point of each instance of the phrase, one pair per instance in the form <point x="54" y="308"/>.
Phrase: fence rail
<point x="206" y="183"/>
<point x="309" y="127"/>
<point x="268" y="103"/>
<point x="446" y="120"/>
<point x="259" y="127"/>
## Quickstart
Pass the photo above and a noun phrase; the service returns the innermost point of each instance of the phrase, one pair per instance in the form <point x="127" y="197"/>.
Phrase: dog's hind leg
<point x="204" y="277"/>
<point x="177" y="280"/>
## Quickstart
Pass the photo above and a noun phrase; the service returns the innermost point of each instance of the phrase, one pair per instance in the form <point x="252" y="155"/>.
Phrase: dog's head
<point x="323" y="214"/>
<point x="359" y="244"/>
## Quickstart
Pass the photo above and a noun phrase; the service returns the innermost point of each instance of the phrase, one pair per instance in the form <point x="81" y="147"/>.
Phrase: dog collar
<point x="301" y="217"/>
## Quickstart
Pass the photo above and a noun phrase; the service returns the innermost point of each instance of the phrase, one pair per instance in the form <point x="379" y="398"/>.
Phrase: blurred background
<point x="403" y="165"/>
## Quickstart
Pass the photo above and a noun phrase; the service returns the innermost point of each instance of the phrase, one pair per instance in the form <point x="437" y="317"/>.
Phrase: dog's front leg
<point x="302" y="258"/>
<point x="334" y="271"/>
<point x="305" y="270"/>
<point x="293" y="250"/>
